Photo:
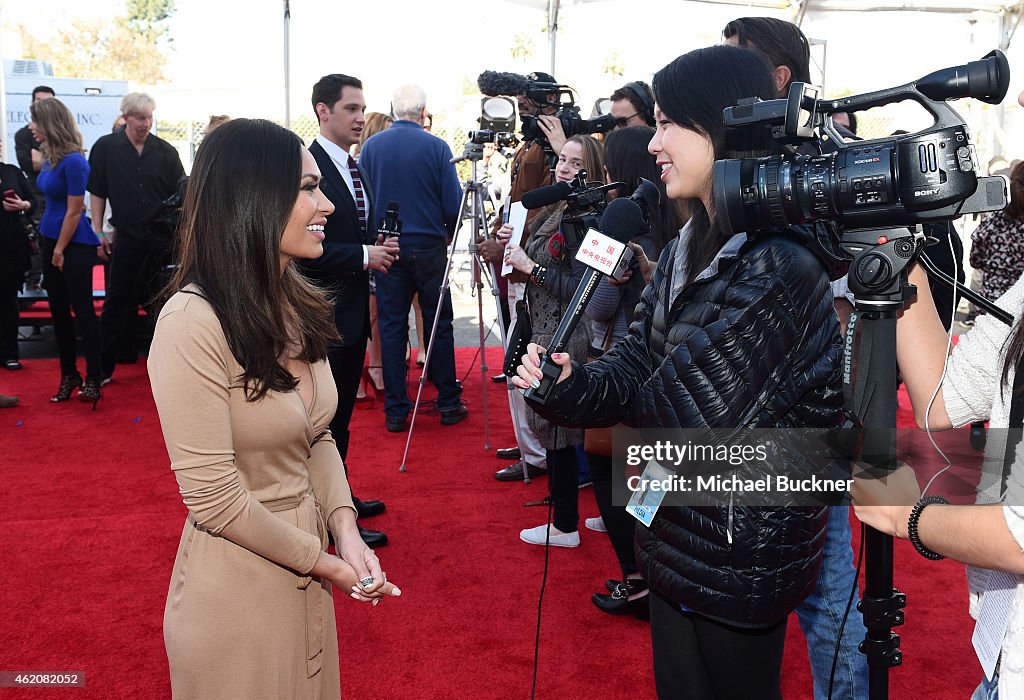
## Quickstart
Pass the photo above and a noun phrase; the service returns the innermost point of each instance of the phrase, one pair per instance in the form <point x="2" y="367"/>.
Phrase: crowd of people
<point x="281" y="309"/>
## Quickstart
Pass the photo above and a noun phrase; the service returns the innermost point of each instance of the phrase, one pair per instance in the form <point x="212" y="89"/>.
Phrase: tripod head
<point x="473" y="152"/>
<point x="878" y="272"/>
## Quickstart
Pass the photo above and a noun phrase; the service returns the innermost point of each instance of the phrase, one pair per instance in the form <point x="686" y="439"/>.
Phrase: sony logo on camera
<point x="926" y="193"/>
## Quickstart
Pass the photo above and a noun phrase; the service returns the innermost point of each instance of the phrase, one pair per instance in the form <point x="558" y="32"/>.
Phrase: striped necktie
<point x="357" y="188"/>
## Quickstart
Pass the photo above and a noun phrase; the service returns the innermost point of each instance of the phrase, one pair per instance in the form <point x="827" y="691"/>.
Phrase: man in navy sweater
<point x="409" y="166"/>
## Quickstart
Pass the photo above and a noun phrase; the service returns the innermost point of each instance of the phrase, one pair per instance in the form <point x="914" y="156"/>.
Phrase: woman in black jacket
<point x="15" y="259"/>
<point x="733" y="331"/>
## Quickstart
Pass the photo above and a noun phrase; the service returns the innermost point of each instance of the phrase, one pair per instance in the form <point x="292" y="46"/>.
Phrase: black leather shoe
<point x="619" y="602"/>
<point x="372" y="538"/>
<point x="395" y="425"/>
<point x="508" y="453"/>
<point x="456" y="415"/>
<point x="368" y="509"/>
<point x="514" y="472"/>
<point x="498" y="379"/>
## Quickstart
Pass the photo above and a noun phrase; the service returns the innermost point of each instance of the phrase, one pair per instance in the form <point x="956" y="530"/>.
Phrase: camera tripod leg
<point x="472" y="204"/>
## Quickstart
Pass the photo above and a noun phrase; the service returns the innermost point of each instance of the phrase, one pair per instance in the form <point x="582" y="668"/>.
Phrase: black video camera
<point x="895" y="181"/>
<point x="572" y="124"/>
<point x="501" y="139"/>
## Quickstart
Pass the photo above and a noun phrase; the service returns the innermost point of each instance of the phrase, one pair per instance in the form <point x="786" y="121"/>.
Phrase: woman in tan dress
<point x="245" y="394"/>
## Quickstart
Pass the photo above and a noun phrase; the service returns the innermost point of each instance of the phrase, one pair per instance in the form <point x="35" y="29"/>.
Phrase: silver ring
<point x="366" y="582"/>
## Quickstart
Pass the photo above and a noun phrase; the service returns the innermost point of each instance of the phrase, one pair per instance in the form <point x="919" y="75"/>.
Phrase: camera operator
<point x="529" y="170"/>
<point x="633" y="105"/>
<point x="980" y="383"/>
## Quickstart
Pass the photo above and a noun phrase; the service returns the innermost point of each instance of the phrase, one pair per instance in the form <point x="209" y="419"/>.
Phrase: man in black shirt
<point x="136" y="171"/>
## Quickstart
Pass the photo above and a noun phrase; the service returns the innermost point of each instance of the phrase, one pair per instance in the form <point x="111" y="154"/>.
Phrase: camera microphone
<point x="622" y="220"/>
<point x="390" y="226"/>
<point x="494" y="84"/>
<point x="543" y="196"/>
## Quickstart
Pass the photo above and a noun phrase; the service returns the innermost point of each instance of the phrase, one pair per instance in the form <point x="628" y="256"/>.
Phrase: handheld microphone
<point x="390" y="225"/>
<point x="622" y="220"/>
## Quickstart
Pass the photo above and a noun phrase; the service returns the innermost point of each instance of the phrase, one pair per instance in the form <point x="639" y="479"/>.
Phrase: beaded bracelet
<point x="912" y="523"/>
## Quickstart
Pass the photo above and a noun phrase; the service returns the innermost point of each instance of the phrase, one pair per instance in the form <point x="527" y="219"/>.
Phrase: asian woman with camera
<point x="732" y="332"/>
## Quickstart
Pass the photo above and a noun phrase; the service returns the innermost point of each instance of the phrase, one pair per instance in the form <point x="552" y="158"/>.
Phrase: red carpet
<point x="91" y="520"/>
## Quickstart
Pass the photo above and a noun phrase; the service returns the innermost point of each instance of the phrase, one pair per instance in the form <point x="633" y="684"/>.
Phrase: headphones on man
<point x="644" y="93"/>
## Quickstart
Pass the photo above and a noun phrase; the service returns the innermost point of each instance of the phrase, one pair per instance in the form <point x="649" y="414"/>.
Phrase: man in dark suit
<point x="350" y="251"/>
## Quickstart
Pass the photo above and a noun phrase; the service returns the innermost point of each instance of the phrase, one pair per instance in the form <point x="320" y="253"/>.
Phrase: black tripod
<point x="878" y="280"/>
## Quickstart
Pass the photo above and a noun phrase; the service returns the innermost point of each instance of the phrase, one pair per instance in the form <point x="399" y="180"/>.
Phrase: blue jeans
<point x="987" y="690"/>
<point x="420" y="269"/>
<point x="821" y="614"/>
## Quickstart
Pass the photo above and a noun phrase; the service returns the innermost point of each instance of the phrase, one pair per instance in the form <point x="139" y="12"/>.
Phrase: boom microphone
<point x="543" y="196"/>
<point x="622" y="220"/>
<point x="494" y="84"/>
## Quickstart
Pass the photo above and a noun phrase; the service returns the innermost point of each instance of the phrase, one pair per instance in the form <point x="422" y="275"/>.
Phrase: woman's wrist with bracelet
<point x="913" y="525"/>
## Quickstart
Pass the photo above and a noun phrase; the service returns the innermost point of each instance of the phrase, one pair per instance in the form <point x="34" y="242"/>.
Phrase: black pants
<point x="698" y="658"/>
<point x="136" y="274"/>
<point x="347" y="367"/>
<point x="563" y="480"/>
<point x="619" y="523"/>
<point x="11" y="279"/>
<point x="72" y="290"/>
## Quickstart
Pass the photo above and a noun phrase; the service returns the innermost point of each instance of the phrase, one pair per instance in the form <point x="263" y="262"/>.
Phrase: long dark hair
<point x="239" y="198"/>
<point x="688" y="98"/>
<point x="1015" y="209"/>
<point x="627" y="160"/>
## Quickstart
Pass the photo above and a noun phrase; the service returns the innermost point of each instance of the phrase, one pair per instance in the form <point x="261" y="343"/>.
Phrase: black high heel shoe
<point x="90" y="392"/>
<point x="620" y="603"/>
<point x="68" y="383"/>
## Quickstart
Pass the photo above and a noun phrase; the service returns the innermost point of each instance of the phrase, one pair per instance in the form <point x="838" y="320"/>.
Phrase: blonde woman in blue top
<point x="68" y="247"/>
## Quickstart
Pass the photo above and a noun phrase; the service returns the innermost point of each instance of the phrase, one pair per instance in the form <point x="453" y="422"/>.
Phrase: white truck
<point x="95" y="103"/>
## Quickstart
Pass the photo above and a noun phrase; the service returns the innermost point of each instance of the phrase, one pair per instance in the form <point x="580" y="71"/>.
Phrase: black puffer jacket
<point x="753" y="342"/>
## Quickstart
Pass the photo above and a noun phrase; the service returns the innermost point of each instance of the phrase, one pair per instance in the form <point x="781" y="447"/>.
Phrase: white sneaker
<point x="596" y="524"/>
<point x="538" y="535"/>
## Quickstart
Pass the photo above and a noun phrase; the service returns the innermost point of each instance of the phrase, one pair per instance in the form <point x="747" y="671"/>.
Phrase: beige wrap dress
<point x="259" y="479"/>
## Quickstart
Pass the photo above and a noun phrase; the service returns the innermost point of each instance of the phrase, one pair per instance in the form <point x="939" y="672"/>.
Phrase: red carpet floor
<point x="91" y="519"/>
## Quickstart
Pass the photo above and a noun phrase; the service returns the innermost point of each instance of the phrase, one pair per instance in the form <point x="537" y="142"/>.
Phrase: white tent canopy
<point x="1008" y="13"/>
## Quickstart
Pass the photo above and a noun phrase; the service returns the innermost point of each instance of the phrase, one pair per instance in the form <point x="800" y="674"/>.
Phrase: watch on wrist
<point x="912" y="526"/>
